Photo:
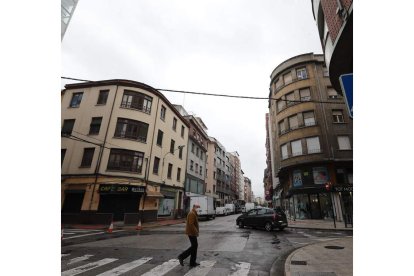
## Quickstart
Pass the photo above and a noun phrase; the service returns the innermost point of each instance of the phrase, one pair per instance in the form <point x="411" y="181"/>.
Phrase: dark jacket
<point x="191" y="227"/>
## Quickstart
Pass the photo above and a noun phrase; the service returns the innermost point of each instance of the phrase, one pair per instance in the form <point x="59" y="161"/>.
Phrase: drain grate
<point x="334" y="247"/>
<point x="298" y="262"/>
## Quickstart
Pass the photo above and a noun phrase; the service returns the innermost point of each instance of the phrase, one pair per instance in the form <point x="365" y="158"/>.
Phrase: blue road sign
<point x="346" y="81"/>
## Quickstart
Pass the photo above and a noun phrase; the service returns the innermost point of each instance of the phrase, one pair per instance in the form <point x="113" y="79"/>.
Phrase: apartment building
<point x="312" y="141"/>
<point x="236" y="173"/>
<point x="334" y="19"/>
<point x="123" y="151"/>
<point x="248" y="190"/>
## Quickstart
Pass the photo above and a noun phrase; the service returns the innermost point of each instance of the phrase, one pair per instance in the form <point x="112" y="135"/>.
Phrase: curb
<point x="318" y="228"/>
<point x="289" y="258"/>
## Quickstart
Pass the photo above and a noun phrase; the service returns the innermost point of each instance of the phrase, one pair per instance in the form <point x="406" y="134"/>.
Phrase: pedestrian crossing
<point x="144" y="267"/>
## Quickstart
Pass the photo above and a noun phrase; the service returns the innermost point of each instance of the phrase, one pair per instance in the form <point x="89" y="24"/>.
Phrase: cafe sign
<point x="120" y="189"/>
<point x="342" y="188"/>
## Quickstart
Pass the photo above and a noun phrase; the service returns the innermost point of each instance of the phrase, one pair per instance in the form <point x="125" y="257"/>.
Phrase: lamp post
<point x="163" y="159"/>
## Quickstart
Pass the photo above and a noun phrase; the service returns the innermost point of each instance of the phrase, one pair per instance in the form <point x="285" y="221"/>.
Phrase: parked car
<point x="266" y="218"/>
<point x="222" y="211"/>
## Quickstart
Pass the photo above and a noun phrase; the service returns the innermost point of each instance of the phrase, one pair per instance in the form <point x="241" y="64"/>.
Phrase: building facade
<point x="268" y="175"/>
<point x="123" y="151"/>
<point x="248" y="190"/>
<point x="236" y="180"/>
<point x="312" y="141"/>
<point x="334" y="19"/>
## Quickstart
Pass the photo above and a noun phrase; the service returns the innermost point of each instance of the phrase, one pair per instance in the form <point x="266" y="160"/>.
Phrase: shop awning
<point x="154" y="194"/>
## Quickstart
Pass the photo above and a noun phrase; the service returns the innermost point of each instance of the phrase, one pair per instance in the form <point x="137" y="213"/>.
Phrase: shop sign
<point x="343" y="189"/>
<point x="297" y="178"/>
<point x="320" y="175"/>
<point x="120" y="189"/>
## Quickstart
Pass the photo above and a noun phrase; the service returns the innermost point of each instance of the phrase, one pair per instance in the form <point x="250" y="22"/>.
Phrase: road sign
<point x="346" y="81"/>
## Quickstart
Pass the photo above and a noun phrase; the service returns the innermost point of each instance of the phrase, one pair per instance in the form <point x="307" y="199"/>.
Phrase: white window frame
<point x="301" y="73"/>
<point x="344" y="142"/>
<point x="284" y="151"/>
<point x="338" y="118"/>
<point x="309" y="121"/>
<point x="311" y="145"/>
<point x="296" y="147"/>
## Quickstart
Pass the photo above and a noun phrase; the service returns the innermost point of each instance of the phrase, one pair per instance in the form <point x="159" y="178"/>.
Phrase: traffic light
<point x="328" y="186"/>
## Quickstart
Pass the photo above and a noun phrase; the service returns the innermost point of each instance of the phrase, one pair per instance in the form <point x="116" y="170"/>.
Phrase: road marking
<point x="91" y="234"/>
<point x="242" y="269"/>
<point x="79" y="259"/>
<point x="84" y="230"/>
<point x="162" y="269"/>
<point x="86" y="267"/>
<point x="64" y="255"/>
<point x="126" y="267"/>
<point x="203" y="269"/>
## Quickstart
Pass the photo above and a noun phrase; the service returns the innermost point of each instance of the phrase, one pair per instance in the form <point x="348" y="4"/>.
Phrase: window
<point x="163" y="112"/>
<point x="172" y="146"/>
<point x="62" y="156"/>
<point x="159" y="138"/>
<point x="284" y="151"/>
<point x="301" y="73"/>
<point x="170" y="167"/>
<point x="287" y="78"/>
<point x="95" y="125"/>
<point x="76" y="99"/>
<point x="214" y="161"/>
<point x="279" y="83"/>
<point x="191" y="165"/>
<point x="281" y="104"/>
<point x="197" y="151"/>
<point x="192" y="147"/>
<point x="180" y="152"/>
<point x="309" y="118"/>
<point x="131" y="129"/>
<point x="214" y="175"/>
<point x="182" y="131"/>
<point x="338" y="116"/>
<point x="87" y="157"/>
<point x="174" y="126"/>
<point x="196" y="168"/>
<point x="282" y="128"/>
<point x="103" y="97"/>
<point x="156" y="165"/>
<point x="293" y="122"/>
<point x="125" y="160"/>
<point x="296" y="147"/>
<point x="178" y="174"/>
<point x="344" y="176"/>
<point x="68" y="126"/>
<point x="332" y="94"/>
<point x="344" y="143"/>
<point x="313" y="145"/>
<point x="136" y="100"/>
<point x="201" y="170"/>
<point x="305" y="94"/>
<point x="290" y="98"/>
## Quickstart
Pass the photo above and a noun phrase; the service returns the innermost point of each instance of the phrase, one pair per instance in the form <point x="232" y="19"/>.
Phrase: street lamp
<point x="162" y="168"/>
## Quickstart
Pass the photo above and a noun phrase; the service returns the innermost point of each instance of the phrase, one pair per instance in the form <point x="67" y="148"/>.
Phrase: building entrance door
<point x="73" y="202"/>
<point x="315" y="206"/>
<point x="118" y="204"/>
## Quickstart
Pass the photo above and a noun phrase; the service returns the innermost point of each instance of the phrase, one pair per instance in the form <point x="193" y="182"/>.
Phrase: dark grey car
<point x="266" y="218"/>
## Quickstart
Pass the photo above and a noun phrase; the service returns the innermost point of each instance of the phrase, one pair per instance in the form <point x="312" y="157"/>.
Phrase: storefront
<point x="170" y="203"/>
<point x="73" y="201"/>
<point x="119" y="199"/>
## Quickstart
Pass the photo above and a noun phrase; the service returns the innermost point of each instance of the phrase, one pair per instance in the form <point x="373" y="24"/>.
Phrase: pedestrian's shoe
<point x="194" y="264"/>
<point x="181" y="261"/>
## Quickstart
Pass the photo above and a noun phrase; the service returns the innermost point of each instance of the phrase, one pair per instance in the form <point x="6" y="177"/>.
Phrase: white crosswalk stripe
<point x="86" y="267"/>
<point x="126" y="267"/>
<point x="202" y="270"/>
<point x="206" y="267"/>
<point x="242" y="269"/>
<point x="79" y="259"/>
<point x="162" y="269"/>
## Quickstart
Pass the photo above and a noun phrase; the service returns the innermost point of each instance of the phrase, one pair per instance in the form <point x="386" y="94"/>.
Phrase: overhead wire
<point x="227" y="95"/>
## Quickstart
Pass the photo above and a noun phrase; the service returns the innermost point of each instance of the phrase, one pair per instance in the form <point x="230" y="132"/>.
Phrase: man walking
<point x="191" y="229"/>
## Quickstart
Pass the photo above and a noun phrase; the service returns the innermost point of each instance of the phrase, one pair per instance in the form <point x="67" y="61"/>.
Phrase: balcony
<point x="299" y="126"/>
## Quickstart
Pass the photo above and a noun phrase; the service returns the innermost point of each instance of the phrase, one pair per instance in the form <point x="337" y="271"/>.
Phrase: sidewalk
<point x="121" y="226"/>
<point x="329" y="258"/>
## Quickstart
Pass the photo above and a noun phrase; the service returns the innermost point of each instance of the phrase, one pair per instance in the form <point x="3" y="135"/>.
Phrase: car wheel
<point x="268" y="226"/>
<point x="241" y="224"/>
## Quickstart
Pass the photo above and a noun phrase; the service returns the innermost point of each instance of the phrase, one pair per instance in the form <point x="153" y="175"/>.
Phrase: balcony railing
<point x="301" y="125"/>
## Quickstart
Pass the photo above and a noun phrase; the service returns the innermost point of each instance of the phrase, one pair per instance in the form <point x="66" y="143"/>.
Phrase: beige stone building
<point x="124" y="149"/>
<point x="312" y="141"/>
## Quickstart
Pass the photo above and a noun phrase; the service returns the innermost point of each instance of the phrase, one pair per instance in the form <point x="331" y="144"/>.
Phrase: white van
<point x="206" y="206"/>
<point x="231" y="207"/>
<point x="222" y="211"/>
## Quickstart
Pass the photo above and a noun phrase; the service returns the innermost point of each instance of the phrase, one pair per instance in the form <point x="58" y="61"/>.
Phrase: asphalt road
<point x="223" y="249"/>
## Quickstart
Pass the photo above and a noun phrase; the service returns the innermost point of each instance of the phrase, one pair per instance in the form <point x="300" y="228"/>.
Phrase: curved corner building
<point x="311" y="138"/>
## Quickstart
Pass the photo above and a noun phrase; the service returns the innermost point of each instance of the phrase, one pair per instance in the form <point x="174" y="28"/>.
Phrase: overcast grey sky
<point x="224" y="47"/>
